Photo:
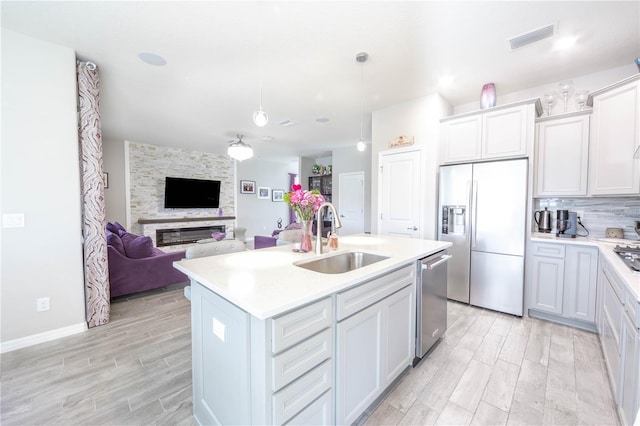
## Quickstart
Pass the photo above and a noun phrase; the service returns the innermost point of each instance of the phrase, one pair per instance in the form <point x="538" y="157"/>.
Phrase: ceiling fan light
<point x="260" y="118"/>
<point x="240" y="151"/>
<point x="361" y="146"/>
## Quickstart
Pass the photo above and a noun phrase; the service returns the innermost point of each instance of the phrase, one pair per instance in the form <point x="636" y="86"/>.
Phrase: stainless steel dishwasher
<point x="431" y="301"/>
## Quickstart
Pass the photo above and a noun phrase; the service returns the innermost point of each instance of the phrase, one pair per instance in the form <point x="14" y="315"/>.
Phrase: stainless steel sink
<point x="341" y="263"/>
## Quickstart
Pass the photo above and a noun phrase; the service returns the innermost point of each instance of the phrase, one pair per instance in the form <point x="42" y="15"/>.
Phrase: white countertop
<point x="266" y="282"/>
<point x="606" y="246"/>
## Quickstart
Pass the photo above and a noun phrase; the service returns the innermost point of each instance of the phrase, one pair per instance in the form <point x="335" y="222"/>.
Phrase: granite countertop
<point x="605" y="246"/>
<point x="266" y="282"/>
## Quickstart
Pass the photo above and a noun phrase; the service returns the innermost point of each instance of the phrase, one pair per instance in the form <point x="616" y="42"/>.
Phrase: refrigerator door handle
<point x="474" y="212"/>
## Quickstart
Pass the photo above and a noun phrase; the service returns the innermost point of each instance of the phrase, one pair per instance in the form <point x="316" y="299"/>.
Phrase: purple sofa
<point x="136" y="265"/>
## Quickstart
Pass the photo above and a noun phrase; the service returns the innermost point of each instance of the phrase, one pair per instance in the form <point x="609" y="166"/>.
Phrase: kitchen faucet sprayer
<point x="335" y="223"/>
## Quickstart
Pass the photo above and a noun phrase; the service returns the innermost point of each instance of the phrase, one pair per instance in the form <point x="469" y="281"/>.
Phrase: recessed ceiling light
<point x="322" y="120"/>
<point x="152" y="59"/>
<point x="565" y="43"/>
<point x="445" y="81"/>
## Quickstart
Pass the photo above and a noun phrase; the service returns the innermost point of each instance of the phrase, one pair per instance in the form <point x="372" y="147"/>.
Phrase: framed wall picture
<point x="277" y="195"/>
<point x="264" y="192"/>
<point x="247" y="187"/>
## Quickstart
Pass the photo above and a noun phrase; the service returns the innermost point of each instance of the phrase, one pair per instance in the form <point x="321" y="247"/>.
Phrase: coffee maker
<point x="566" y="224"/>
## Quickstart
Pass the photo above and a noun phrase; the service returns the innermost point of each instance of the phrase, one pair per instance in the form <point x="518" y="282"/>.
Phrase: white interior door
<point x="400" y="193"/>
<point x="351" y="202"/>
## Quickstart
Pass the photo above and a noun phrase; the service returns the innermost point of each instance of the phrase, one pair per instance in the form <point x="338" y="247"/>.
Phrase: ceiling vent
<point x="287" y="123"/>
<point x="532" y="36"/>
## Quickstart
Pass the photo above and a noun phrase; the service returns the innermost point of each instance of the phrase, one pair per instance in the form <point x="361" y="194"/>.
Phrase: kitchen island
<point x="276" y="343"/>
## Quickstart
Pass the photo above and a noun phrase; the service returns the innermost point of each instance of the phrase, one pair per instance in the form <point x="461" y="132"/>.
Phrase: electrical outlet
<point x="580" y="214"/>
<point x="42" y="304"/>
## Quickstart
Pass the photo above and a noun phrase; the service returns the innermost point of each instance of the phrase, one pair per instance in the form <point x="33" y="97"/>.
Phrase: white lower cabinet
<point x="375" y="344"/>
<point x="563" y="280"/>
<point x="293" y="369"/>
<point x="619" y="332"/>
<point x="251" y="371"/>
<point x="630" y="386"/>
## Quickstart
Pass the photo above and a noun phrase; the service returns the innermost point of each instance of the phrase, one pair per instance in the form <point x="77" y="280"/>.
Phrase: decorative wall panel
<point x="148" y="167"/>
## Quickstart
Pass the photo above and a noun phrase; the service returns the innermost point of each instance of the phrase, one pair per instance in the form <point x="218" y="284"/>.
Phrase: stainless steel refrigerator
<point x="482" y="211"/>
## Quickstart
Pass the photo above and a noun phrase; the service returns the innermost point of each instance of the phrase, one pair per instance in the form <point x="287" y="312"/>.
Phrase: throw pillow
<point x="120" y="227"/>
<point x="126" y="236"/>
<point x="114" y="241"/>
<point x="112" y="228"/>
<point x="139" y="247"/>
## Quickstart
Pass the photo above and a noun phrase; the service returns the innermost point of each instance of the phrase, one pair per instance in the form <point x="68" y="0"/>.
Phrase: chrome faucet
<point x="335" y="223"/>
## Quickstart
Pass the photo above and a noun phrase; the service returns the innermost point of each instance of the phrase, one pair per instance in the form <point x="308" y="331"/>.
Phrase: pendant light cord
<point x="361" y="98"/>
<point x="260" y="51"/>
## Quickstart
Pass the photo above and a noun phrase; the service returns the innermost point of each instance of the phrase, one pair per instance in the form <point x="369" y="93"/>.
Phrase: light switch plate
<point x="13" y="220"/>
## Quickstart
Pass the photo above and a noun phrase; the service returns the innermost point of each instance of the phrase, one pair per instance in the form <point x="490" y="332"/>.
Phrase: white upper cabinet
<point x="500" y="132"/>
<point x="461" y="139"/>
<point x="615" y="137"/>
<point x="562" y="155"/>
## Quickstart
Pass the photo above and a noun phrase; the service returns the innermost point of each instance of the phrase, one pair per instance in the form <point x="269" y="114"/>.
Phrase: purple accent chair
<point x="135" y="265"/>
<point x="262" y="241"/>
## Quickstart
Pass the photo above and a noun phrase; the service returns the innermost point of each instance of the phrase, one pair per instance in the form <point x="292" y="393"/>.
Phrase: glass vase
<point x="488" y="96"/>
<point x="305" y="238"/>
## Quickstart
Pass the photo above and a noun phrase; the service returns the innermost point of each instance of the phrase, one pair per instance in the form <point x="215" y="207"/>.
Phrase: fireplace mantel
<point x="183" y="219"/>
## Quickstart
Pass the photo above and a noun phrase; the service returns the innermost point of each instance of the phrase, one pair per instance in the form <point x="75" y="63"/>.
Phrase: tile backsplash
<point x="597" y="213"/>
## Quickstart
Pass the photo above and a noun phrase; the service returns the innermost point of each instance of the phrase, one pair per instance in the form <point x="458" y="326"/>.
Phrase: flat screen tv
<point x="182" y="193"/>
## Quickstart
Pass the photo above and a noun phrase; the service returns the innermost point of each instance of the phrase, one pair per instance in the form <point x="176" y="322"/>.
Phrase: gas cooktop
<point x="630" y="256"/>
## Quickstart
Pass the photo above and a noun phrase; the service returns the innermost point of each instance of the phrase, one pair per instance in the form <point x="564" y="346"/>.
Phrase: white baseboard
<point x="47" y="336"/>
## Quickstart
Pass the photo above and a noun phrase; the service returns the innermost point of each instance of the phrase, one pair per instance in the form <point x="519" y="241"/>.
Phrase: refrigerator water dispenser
<point x="453" y="219"/>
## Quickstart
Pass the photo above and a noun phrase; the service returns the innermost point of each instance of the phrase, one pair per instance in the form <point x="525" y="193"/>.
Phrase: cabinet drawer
<point x="293" y="363"/>
<point x="292" y="399"/>
<point x="358" y="298"/>
<point x="551" y="250"/>
<point x="615" y="284"/>
<point x="296" y="326"/>
<point x="320" y="412"/>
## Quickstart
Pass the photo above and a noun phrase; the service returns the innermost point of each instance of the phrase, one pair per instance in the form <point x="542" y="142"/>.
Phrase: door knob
<point x="412" y="228"/>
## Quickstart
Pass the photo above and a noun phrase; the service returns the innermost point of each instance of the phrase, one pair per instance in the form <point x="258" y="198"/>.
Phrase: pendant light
<point x="260" y="118"/>
<point x="361" y="58"/>
<point x="239" y="150"/>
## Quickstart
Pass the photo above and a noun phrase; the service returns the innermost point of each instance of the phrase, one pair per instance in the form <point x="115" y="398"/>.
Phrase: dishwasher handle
<point x="434" y="264"/>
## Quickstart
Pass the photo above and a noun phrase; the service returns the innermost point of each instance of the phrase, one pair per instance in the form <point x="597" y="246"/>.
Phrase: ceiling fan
<point x="239" y="150"/>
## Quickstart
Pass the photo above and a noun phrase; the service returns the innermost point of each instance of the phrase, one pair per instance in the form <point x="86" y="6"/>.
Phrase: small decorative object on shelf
<point x="637" y="61"/>
<point x="488" y="96"/>
<point x="549" y="101"/>
<point x="401" y="141"/>
<point x="306" y="205"/>
<point x="566" y="87"/>
<point x="316" y="169"/>
<point x="327" y="170"/>
<point x="581" y="99"/>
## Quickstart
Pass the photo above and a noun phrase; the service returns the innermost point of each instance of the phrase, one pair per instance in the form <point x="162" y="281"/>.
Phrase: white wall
<point x="260" y="216"/>
<point x="419" y="118"/>
<point x="40" y="179"/>
<point x="348" y="160"/>
<point x="113" y="160"/>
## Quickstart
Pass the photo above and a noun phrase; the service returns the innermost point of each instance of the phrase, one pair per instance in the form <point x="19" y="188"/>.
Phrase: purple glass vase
<point x="488" y="96"/>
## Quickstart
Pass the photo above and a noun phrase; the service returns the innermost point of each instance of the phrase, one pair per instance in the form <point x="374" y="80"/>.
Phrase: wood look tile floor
<point x="490" y="369"/>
